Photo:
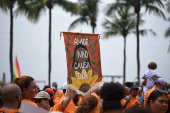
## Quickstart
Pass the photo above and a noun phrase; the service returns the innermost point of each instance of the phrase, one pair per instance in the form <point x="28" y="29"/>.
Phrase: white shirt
<point x="149" y="74"/>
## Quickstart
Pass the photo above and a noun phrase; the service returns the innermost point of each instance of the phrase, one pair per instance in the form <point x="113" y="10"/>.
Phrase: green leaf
<point x="95" y="42"/>
<point x="100" y="74"/>
<point x="83" y="36"/>
<point x="93" y="62"/>
<point x="66" y="49"/>
<point x="68" y="37"/>
<point x="98" y="63"/>
<point x="69" y="72"/>
<point x="70" y="82"/>
<point x="95" y="70"/>
<point x="77" y="34"/>
<point x="93" y="51"/>
<point x="68" y="44"/>
<point x="88" y="38"/>
<point x="68" y="79"/>
<point x="72" y="57"/>
<point x="90" y="47"/>
<point x="67" y="65"/>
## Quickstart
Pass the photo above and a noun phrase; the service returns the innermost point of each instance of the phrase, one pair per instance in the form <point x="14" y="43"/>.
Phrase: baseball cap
<point x="134" y="87"/>
<point x="65" y="85"/>
<point x="50" y="92"/>
<point x="42" y="94"/>
<point x="162" y="80"/>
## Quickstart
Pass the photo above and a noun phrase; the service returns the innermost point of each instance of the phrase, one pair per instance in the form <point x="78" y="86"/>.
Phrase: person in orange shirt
<point x="58" y="93"/>
<point x="11" y="97"/>
<point x="27" y="86"/>
<point x="43" y="100"/>
<point x="68" y="105"/>
<point x="134" y="102"/>
<point x="157" y="85"/>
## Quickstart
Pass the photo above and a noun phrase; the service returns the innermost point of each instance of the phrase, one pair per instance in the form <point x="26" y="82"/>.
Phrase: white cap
<point x="65" y="85"/>
<point x="42" y="94"/>
<point x="162" y="81"/>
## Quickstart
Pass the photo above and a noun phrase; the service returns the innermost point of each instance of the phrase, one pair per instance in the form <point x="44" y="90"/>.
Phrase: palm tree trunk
<point x="11" y="43"/>
<point x="93" y="29"/>
<point x="49" y="73"/>
<point x="124" y="63"/>
<point x="138" y="59"/>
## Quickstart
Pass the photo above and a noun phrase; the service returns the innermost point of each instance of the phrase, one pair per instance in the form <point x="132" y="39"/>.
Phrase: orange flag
<point x="83" y="61"/>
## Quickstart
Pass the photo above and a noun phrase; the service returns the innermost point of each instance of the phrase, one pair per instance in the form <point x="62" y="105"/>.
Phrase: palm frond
<point x="32" y="9"/>
<point x="68" y="6"/>
<point x="167" y="32"/>
<point x="113" y="7"/>
<point x="168" y="6"/>
<point x="7" y="4"/>
<point x="145" y="32"/>
<point x="155" y="10"/>
<point x="78" y="21"/>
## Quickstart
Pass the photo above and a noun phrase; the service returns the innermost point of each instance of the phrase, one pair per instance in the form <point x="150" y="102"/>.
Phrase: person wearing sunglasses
<point x="158" y="101"/>
<point x="43" y="100"/>
<point x="11" y="96"/>
<point x="135" y="101"/>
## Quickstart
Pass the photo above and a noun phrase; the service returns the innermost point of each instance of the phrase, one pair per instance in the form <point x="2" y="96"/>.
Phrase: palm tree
<point x="151" y="6"/>
<point x="6" y="5"/>
<point x="167" y="32"/>
<point x="88" y="13"/>
<point x="40" y="6"/>
<point x="125" y="24"/>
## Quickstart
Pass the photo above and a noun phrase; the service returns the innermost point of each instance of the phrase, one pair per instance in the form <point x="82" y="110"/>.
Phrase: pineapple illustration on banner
<point x="83" y="61"/>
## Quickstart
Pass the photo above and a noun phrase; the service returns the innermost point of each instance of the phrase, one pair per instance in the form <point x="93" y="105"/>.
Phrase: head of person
<point x="158" y="101"/>
<point x="64" y="88"/>
<point x="43" y="100"/>
<point x="112" y="93"/>
<point x="152" y="65"/>
<point x="158" y="84"/>
<point x="54" y="84"/>
<point x="51" y="93"/>
<point x="27" y="86"/>
<point x="11" y="96"/>
<point x="45" y="87"/>
<point x="88" y="104"/>
<point x="163" y="82"/>
<point x="140" y="92"/>
<point x="127" y="90"/>
<point x="134" y="90"/>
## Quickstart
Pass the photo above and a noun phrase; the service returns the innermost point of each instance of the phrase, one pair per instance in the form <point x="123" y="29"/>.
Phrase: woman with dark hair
<point x="112" y="93"/>
<point x="27" y="86"/>
<point x="158" y="101"/>
<point x="87" y="105"/>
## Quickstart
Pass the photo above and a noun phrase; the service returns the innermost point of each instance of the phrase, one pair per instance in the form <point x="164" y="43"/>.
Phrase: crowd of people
<point x="151" y="97"/>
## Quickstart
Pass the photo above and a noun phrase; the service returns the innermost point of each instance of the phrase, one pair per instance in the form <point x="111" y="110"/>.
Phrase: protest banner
<point x="83" y="61"/>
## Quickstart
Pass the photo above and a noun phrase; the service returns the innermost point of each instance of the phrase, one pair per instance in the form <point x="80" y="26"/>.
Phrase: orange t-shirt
<point x="122" y="101"/>
<point x="30" y="102"/>
<point x="98" y="105"/>
<point x="58" y="94"/>
<point x="2" y="110"/>
<point x="69" y="109"/>
<point x="169" y="96"/>
<point x="133" y="101"/>
<point x="147" y="94"/>
<point x="57" y="107"/>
